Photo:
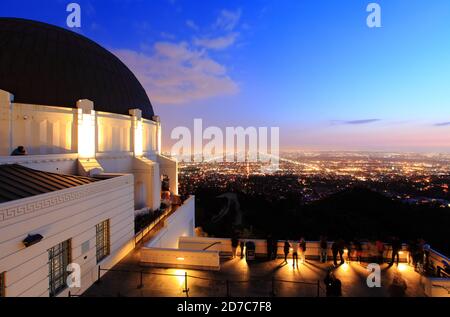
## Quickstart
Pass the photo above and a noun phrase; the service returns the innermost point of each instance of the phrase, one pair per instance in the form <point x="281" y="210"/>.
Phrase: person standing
<point x="295" y="246"/>
<point x="274" y="248"/>
<point x="323" y="249"/>
<point x="335" y="251"/>
<point x="341" y="247"/>
<point x="420" y="254"/>
<point x="348" y="246"/>
<point x="20" y="150"/>
<point x="396" y="246"/>
<point x="359" y="250"/>
<point x="302" y="250"/>
<point x="242" y="245"/>
<point x="286" y="248"/>
<point x="234" y="245"/>
<point x="380" y="250"/>
<point x="333" y="285"/>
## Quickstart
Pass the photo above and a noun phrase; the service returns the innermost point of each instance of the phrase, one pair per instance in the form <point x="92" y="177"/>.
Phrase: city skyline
<point x="314" y="69"/>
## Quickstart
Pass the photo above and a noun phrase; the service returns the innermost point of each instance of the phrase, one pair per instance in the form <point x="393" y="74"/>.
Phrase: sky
<point x="313" y="68"/>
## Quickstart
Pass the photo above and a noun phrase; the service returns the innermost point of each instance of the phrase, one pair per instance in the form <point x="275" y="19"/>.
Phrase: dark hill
<point x="349" y="214"/>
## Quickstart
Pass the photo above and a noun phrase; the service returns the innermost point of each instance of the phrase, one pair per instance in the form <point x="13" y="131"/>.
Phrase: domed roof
<point x="49" y="65"/>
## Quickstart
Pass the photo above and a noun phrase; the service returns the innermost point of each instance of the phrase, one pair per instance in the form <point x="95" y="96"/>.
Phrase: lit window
<point x="58" y="258"/>
<point x="2" y="284"/>
<point x="103" y="241"/>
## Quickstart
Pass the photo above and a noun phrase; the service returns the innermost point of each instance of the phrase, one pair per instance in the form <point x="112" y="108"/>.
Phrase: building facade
<point x="68" y="200"/>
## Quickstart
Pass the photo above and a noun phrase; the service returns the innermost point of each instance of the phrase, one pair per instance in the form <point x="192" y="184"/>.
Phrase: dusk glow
<point x="313" y="68"/>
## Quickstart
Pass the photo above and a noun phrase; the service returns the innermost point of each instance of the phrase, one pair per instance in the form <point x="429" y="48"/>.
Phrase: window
<point x="58" y="258"/>
<point x="103" y="241"/>
<point x="2" y="284"/>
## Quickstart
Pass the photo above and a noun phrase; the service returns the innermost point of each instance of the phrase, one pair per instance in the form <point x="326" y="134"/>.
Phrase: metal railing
<point x="211" y="245"/>
<point x="225" y="283"/>
<point x="141" y="234"/>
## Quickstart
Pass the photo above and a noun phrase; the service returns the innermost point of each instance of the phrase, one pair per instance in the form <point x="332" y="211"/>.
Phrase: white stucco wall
<point x="180" y="223"/>
<point x="58" y="216"/>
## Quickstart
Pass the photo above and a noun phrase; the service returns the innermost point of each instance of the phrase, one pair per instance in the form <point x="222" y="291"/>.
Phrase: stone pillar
<point x="137" y="140"/>
<point x="6" y="137"/>
<point x="158" y="134"/>
<point x="147" y="176"/>
<point x="86" y="129"/>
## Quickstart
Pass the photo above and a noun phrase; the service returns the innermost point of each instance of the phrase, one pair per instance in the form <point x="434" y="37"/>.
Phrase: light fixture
<point x="32" y="239"/>
<point x="86" y="129"/>
<point x="180" y="258"/>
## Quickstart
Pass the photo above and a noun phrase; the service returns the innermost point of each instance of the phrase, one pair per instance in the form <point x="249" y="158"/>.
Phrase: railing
<point x="211" y="245"/>
<point x="139" y="236"/>
<point x="224" y="284"/>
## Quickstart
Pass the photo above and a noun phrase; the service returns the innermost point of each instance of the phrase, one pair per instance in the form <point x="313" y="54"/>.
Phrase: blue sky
<point x="311" y="67"/>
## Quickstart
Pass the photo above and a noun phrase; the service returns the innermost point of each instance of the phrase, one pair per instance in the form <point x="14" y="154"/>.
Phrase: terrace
<point x="260" y="278"/>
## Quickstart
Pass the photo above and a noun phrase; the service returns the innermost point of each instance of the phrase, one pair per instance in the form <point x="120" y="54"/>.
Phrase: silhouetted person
<point x="274" y="248"/>
<point x="335" y="251"/>
<point x="323" y="249"/>
<point x="20" y="150"/>
<point x="234" y="245"/>
<point x="412" y="253"/>
<point x="286" y="249"/>
<point x="380" y="250"/>
<point x="396" y="247"/>
<point x="341" y="246"/>
<point x="445" y="268"/>
<point x="426" y="251"/>
<point x="398" y="286"/>
<point x="295" y="247"/>
<point x="333" y="285"/>
<point x="242" y="245"/>
<point x="420" y="254"/>
<point x="359" y="250"/>
<point x="303" y="250"/>
<point x="348" y="246"/>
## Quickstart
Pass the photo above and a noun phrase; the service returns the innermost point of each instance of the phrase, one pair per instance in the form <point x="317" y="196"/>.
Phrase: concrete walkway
<point x="255" y="279"/>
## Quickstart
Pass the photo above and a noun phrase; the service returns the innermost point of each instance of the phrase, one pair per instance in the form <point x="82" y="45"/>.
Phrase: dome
<point x="48" y="65"/>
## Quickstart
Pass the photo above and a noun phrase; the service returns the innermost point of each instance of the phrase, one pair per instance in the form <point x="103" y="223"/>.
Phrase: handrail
<point x="211" y="245"/>
<point x="151" y="225"/>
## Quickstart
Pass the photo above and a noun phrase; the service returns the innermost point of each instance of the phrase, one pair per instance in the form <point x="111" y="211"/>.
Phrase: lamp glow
<point x="402" y="267"/>
<point x="345" y="266"/>
<point x="180" y="258"/>
<point x="138" y="139"/>
<point x="86" y="134"/>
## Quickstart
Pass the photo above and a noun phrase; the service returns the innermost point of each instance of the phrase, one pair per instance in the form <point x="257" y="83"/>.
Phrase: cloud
<point x="218" y="43"/>
<point x="192" y="25"/>
<point x="167" y="35"/>
<point x="355" y="122"/>
<point x="228" y="20"/>
<point x="176" y="73"/>
<point x="442" y="124"/>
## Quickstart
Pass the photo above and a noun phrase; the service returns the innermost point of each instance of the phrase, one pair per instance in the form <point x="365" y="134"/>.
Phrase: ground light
<point x="402" y="267"/>
<point x="345" y="267"/>
<point x="180" y="275"/>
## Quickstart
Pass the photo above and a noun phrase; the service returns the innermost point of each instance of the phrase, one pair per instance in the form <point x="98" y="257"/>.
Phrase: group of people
<point x="419" y="254"/>
<point x="298" y="247"/>
<point x="376" y="250"/>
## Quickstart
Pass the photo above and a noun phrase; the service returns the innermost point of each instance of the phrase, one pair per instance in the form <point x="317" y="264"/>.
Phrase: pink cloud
<point x="176" y="73"/>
